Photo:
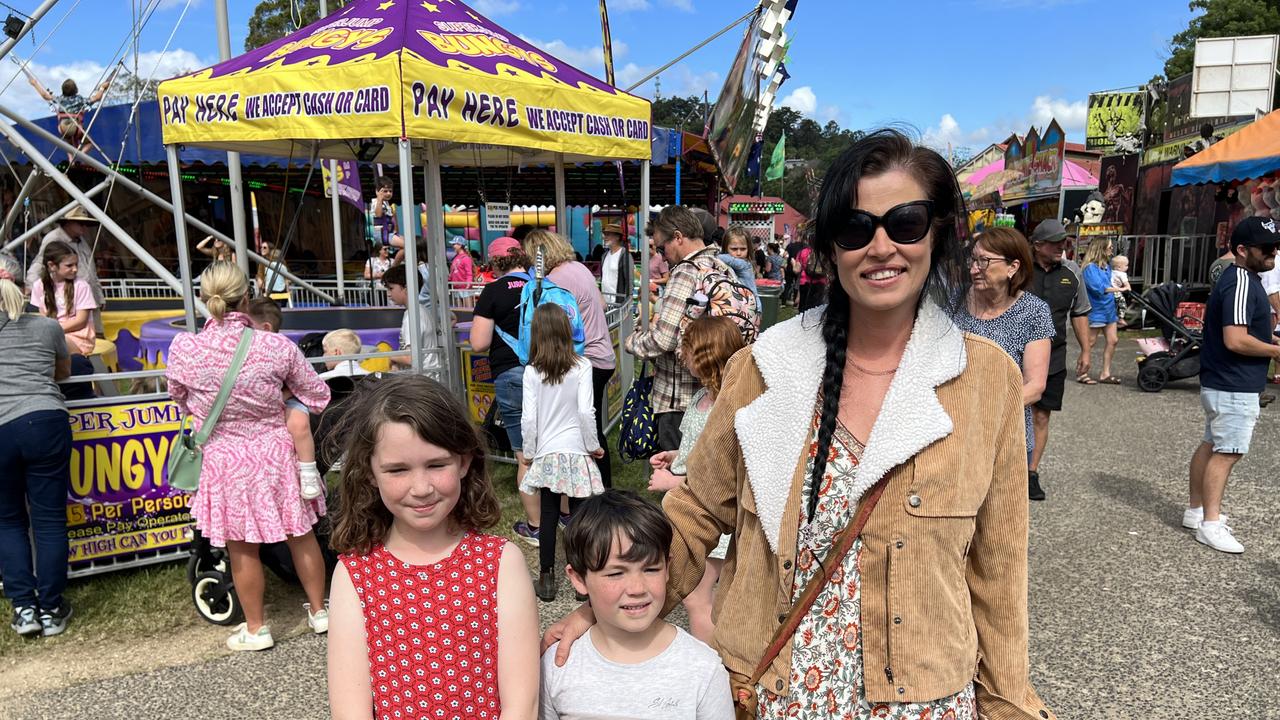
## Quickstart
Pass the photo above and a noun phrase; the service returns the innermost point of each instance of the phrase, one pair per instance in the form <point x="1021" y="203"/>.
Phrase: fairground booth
<point x="416" y="86"/>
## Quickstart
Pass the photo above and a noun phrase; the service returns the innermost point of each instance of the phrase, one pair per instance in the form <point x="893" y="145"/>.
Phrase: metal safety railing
<point x="136" y="289"/>
<point x="1158" y="259"/>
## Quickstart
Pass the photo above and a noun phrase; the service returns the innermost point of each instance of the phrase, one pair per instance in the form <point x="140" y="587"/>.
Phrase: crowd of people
<point x="809" y="472"/>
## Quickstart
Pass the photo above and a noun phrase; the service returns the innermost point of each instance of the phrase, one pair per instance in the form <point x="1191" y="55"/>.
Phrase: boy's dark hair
<point x="265" y="310"/>
<point x="395" y="275"/>
<point x="439" y="418"/>
<point x="520" y="232"/>
<point x="589" y="538"/>
<point x="384" y="181"/>
<point x="775" y="248"/>
<point x="69" y="87"/>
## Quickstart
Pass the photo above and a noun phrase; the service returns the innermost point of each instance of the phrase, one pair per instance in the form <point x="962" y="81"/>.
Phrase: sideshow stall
<point x="409" y="84"/>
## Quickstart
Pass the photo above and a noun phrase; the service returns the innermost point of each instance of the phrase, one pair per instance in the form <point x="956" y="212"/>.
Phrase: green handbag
<point x="184" y="455"/>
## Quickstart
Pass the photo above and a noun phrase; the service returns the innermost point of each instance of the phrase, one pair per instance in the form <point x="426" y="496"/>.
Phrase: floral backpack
<point x="719" y="293"/>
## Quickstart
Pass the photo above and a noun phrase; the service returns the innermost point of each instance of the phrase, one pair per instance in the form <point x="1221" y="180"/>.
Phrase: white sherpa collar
<point x="774" y="428"/>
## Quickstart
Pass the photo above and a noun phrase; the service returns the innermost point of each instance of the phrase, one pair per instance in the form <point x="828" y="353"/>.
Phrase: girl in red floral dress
<point x="429" y="616"/>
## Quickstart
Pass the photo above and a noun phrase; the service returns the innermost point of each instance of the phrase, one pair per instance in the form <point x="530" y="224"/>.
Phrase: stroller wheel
<point x="215" y="598"/>
<point x="213" y="560"/>
<point x="1153" y="376"/>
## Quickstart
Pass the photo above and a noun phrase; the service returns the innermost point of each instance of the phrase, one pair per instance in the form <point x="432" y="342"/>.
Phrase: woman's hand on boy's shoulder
<point x="567" y="630"/>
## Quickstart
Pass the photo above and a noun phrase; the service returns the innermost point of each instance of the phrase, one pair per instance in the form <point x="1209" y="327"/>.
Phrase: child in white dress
<point x="558" y="425"/>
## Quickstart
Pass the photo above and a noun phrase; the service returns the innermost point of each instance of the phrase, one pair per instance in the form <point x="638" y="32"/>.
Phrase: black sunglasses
<point x="904" y="224"/>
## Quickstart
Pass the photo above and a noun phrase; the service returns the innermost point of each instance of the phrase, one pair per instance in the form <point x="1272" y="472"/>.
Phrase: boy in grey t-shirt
<point x="631" y="665"/>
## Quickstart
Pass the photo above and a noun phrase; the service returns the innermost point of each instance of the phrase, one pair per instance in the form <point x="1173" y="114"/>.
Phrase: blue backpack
<point x="540" y="291"/>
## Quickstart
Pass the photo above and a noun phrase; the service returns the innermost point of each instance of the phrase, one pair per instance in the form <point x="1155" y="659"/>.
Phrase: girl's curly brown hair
<point x="362" y="520"/>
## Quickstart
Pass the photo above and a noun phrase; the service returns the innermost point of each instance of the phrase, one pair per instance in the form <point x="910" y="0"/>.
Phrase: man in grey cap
<point x="1057" y="282"/>
<point x="76" y="228"/>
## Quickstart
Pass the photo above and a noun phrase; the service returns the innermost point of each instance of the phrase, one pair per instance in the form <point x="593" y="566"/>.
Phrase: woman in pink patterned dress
<point x="249" y="487"/>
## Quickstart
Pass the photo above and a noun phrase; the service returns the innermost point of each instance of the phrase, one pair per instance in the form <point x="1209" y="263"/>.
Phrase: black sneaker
<point x="26" y="621"/>
<point x="53" y="622"/>
<point x="545" y="587"/>
<point x="1033" y="486"/>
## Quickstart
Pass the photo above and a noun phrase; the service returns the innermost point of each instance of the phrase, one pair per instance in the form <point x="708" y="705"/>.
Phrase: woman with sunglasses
<point x="875" y="395"/>
<point x="999" y="309"/>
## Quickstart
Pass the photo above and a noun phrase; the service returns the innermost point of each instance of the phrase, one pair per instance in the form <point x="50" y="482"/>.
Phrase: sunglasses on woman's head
<point x="904" y="224"/>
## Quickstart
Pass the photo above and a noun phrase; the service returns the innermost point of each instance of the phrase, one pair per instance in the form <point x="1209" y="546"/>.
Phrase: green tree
<point x="685" y="113"/>
<point x="273" y="19"/>
<point x="1220" y="18"/>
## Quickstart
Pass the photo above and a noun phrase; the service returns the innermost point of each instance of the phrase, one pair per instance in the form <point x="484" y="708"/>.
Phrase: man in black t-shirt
<point x="1237" y="349"/>
<point x="499" y="306"/>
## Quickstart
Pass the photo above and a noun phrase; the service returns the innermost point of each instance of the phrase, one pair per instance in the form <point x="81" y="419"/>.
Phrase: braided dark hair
<point x="947" y="283"/>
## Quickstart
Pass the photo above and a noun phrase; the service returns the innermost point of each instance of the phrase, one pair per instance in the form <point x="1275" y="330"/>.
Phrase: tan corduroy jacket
<point x="944" y="581"/>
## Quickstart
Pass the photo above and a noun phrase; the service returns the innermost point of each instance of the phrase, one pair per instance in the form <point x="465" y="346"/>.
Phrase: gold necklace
<point x="873" y="373"/>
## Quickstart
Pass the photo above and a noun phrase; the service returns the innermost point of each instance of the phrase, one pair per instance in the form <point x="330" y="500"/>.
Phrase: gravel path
<point x="1130" y="616"/>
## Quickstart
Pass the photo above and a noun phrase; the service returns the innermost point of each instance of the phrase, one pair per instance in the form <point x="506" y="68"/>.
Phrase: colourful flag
<point x="608" y="43"/>
<point x="777" y="160"/>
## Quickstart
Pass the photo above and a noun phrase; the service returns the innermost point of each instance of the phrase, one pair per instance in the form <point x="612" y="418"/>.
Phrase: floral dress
<point x="826" y="660"/>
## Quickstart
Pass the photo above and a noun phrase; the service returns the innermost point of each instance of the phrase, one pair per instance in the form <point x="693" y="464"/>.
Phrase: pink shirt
<point x="462" y="269"/>
<point x="577" y="279"/>
<point x="81" y="341"/>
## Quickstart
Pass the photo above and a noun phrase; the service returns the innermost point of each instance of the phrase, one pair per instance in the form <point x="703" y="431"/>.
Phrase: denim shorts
<point x="509" y="392"/>
<point x="294" y="403"/>
<point x="1229" y="418"/>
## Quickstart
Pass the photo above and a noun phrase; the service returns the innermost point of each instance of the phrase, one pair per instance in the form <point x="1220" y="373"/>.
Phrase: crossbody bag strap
<point x="224" y="392"/>
<point x="828" y="565"/>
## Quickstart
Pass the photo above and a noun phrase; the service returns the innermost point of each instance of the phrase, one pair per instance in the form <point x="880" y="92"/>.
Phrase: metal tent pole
<point x="14" y="211"/>
<point x="642" y="297"/>
<point x="23" y="145"/>
<point x="335" y="208"/>
<point x="233" y="158"/>
<point x="413" y="308"/>
<point x="32" y="19"/>
<point x="180" y="232"/>
<point x="134" y="187"/>
<point x="441" y="301"/>
<point x="562" y="224"/>
<point x="54" y="216"/>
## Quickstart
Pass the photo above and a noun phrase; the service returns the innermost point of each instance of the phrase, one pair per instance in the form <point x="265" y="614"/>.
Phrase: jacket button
<point x="899" y="544"/>
<point x="782" y="618"/>
<point x="778" y="685"/>
<point x="897" y="621"/>
<point x="1044" y="714"/>
<point x="914" y="501"/>
<point x="902" y="691"/>
<point x="786" y="565"/>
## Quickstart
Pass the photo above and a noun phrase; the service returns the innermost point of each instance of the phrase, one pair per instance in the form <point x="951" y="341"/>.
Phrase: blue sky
<point x="966" y="72"/>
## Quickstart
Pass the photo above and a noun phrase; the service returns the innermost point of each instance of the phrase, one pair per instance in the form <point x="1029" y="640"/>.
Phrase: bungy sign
<point x="422" y="69"/>
<point x="120" y="502"/>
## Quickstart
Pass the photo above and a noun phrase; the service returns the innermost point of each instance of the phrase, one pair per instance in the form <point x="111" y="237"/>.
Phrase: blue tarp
<point x="142" y="143"/>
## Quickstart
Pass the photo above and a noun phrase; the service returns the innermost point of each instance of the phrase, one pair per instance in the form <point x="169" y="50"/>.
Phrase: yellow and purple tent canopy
<point x="1252" y="152"/>
<point x="428" y="69"/>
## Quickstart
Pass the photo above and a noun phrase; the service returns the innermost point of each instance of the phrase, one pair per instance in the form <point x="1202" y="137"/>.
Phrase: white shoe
<point x="243" y="640"/>
<point x="319" y="621"/>
<point x="1218" y="536"/>
<point x="1192" y="517"/>
<point x="312" y="483"/>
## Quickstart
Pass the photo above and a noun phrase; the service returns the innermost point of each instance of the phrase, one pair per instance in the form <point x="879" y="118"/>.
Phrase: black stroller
<point x="209" y="568"/>
<point x="1182" y="359"/>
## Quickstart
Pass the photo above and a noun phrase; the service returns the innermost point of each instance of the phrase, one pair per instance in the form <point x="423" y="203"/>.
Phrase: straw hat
<point x="77" y="214"/>
<point x="614" y="228"/>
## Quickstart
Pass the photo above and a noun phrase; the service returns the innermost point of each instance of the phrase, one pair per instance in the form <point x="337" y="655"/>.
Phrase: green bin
<point x="770" y="301"/>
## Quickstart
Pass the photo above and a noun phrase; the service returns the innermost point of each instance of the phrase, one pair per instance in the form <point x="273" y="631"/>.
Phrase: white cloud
<point x="685" y="5"/>
<point x="678" y="81"/>
<point x="802" y="100"/>
<point x="1070" y="115"/>
<point x="491" y="8"/>
<point x="21" y="97"/>
<point x="588" y="59"/>
<point x="628" y="5"/>
<point x="829" y="113"/>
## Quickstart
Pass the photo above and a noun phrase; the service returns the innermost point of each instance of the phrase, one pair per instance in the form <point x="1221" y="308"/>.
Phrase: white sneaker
<point x="312" y="483"/>
<point x="1192" y="517"/>
<point x="319" y="621"/>
<point x="243" y="640"/>
<point x="1218" y="536"/>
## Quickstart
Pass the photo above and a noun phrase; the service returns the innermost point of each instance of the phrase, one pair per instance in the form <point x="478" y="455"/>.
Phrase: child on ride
<point x="430" y="616"/>
<point x="708" y="343"/>
<point x="558" y="430"/>
<point x="266" y="316"/>
<point x="61" y="295"/>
